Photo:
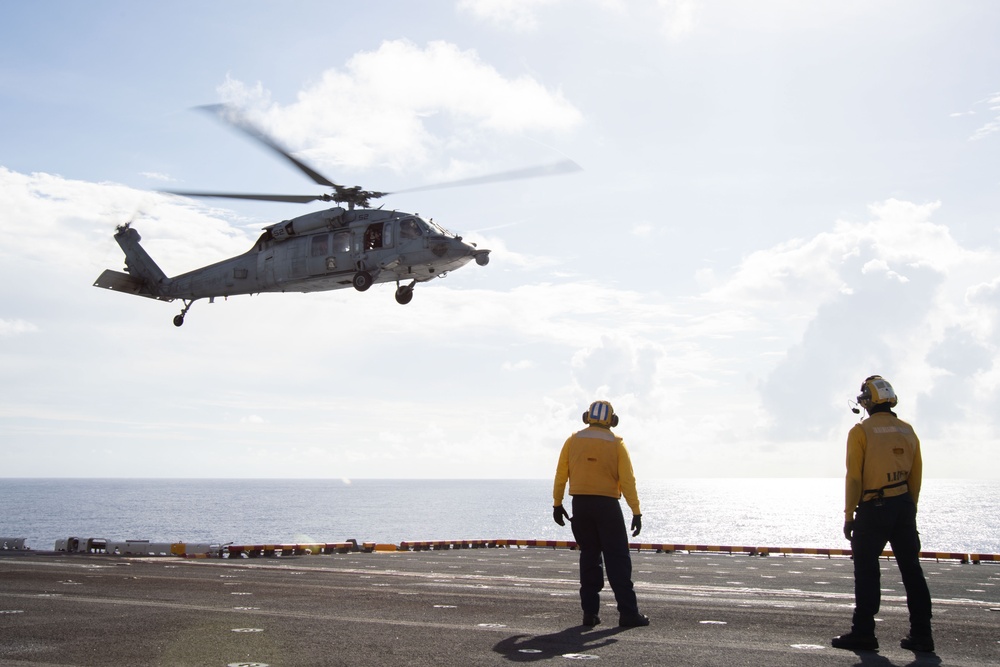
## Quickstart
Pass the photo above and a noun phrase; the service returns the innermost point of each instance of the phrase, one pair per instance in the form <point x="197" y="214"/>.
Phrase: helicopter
<point x="349" y="245"/>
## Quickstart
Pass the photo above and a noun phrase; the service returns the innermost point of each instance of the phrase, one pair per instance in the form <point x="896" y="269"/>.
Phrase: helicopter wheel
<point x="362" y="280"/>
<point x="404" y="294"/>
<point x="179" y="319"/>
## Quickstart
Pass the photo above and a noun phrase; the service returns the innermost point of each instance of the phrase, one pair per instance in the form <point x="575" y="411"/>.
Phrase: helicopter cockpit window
<point x="320" y="246"/>
<point x="436" y="228"/>
<point x="409" y="229"/>
<point x="373" y="236"/>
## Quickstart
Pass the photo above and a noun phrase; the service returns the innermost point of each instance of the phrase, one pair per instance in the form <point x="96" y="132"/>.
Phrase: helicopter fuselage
<point x="319" y="251"/>
<point x="326" y="249"/>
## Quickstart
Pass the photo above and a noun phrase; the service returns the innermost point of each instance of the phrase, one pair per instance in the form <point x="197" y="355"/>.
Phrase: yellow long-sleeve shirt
<point x="595" y="463"/>
<point x="883" y="450"/>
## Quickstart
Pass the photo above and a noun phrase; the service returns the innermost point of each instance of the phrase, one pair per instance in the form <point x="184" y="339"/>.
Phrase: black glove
<point x="558" y="512"/>
<point x="636" y="524"/>
<point x="848" y="529"/>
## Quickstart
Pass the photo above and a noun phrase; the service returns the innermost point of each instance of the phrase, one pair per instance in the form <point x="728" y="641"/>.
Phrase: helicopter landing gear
<point x="362" y="280"/>
<point x="404" y="293"/>
<point x="179" y="319"/>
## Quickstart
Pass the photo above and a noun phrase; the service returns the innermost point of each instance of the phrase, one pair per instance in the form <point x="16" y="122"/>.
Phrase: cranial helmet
<point x="600" y="414"/>
<point x="876" y="391"/>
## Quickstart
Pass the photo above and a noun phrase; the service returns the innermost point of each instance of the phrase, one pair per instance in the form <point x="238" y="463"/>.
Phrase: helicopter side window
<point x="320" y="246"/>
<point x="342" y="241"/>
<point x="409" y="229"/>
<point x="373" y="236"/>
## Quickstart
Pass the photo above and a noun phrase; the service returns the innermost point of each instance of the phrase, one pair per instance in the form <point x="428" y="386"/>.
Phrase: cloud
<point x="889" y="302"/>
<point x="156" y="176"/>
<point x="406" y="107"/>
<point x="987" y="293"/>
<point x="15" y="327"/>
<point x="643" y="229"/>
<point x="66" y="223"/>
<point x="992" y="126"/>
<point x="619" y="365"/>
<point x="678" y="16"/>
<point x="518" y="15"/>
<point x="673" y="17"/>
<point x="757" y="367"/>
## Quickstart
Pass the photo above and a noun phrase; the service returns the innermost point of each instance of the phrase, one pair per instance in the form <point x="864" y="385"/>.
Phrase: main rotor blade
<point x="561" y="167"/>
<point x="232" y="115"/>
<point x="294" y="199"/>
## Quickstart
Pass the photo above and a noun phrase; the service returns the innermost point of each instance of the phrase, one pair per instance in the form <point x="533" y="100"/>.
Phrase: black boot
<point x="918" y="643"/>
<point x="633" y="621"/>
<point x="855" y="642"/>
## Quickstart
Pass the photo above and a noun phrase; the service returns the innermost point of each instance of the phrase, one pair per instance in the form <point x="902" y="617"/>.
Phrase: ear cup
<point x="614" y="421"/>
<point x="585" y="420"/>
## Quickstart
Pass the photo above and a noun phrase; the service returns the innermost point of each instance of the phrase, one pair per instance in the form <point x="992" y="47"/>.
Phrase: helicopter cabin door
<point x="377" y="237"/>
<point x="329" y="253"/>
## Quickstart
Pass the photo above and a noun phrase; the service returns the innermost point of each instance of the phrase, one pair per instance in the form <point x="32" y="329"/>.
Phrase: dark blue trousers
<point x="599" y="529"/>
<point x="893" y="520"/>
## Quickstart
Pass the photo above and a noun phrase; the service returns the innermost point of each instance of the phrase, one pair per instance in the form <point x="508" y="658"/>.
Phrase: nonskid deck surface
<point x="464" y="607"/>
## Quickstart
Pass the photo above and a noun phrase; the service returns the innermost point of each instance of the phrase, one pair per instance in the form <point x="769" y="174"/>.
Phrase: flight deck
<point x="468" y="606"/>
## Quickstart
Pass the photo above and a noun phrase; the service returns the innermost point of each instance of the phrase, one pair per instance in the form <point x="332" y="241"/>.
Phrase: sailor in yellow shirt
<point x="884" y="472"/>
<point x="597" y="466"/>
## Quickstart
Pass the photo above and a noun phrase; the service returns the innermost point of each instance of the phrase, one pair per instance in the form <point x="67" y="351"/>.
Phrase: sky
<point x="777" y="199"/>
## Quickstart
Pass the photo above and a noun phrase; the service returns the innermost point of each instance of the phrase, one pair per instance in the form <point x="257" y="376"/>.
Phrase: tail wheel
<point x="179" y="319"/>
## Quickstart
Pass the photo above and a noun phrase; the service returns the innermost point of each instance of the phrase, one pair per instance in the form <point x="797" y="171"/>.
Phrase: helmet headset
<point x="601" y="414"/>
<point x="875" y="390"/>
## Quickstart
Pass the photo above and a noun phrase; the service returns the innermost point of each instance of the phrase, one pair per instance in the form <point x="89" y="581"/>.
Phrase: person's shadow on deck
<point x="578" y="639"/>
<point x="872" y="659"/>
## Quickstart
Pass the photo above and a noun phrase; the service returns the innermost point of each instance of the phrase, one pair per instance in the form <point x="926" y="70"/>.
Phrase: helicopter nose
<point x="453" y="252"/>
<point x="454" y="247"/>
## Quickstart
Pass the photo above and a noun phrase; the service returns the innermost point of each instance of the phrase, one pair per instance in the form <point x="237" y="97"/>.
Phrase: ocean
<point x="955" y="515"/>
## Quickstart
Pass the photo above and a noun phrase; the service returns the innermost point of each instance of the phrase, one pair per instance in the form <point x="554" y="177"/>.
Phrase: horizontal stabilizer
<point x="123" y="282"/>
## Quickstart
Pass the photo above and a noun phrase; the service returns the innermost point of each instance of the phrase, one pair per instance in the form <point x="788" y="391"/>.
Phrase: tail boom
<point x="143" y="277"/>
<point x="124" y="282"/>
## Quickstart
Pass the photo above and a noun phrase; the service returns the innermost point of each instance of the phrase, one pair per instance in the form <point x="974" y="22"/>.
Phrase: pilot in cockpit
<point x="409" y="229"/>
